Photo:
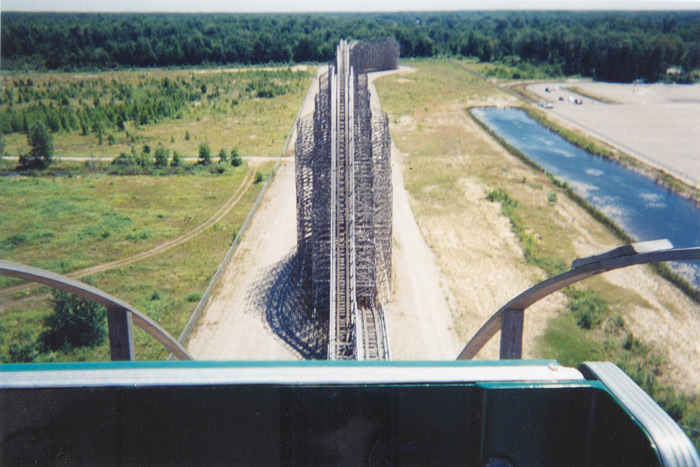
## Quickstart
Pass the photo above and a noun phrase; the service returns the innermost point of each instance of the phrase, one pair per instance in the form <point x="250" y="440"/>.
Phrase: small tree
<point x="204" y="154"/>
<point x="177" y="160"/>
<point x="236" y="158"/>
<point x="161" y="157"/>
<point x="75" y="322"/>
<point x="41" y="142"/>
<point x="223" y="157"/>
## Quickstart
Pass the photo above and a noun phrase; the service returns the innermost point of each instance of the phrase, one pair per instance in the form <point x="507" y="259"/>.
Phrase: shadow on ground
<point x="278" y="298"/>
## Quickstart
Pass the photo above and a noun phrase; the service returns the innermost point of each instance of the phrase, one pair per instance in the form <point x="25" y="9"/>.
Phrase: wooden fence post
<point x="121" y="342"/>
<point x="512" y="334"/>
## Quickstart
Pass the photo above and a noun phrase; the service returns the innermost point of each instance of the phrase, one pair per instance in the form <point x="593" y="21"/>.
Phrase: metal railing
<point x="120" y="315"/>
<point x="509" y="319"/>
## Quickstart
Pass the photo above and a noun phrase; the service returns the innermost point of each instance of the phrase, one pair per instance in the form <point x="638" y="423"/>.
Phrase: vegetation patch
<point x="164" y="286"/>
<point x="110" y="114"/>
<point x="604" y="45"/>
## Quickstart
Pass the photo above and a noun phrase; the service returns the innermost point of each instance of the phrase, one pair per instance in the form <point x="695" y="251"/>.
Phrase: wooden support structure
<point x="343" y="174"/>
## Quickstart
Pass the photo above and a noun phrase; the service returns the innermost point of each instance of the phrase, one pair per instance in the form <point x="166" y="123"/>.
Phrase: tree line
<point x="611" y="46"/>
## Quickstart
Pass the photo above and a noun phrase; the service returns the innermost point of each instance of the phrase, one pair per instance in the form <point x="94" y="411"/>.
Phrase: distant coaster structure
<point x="344" y="203"/>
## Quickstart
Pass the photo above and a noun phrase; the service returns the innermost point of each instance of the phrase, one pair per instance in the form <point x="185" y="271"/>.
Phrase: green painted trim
<point x="268" y="364"/>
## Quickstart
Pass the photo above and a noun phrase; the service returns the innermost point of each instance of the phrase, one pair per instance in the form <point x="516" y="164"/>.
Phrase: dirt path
<point x="216" y="217"/>
<point x="418" y="320"/>
<point x="233" y="325"/>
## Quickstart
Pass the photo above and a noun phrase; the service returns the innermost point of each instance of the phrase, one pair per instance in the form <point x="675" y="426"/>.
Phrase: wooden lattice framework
<point x="343" y="173"/>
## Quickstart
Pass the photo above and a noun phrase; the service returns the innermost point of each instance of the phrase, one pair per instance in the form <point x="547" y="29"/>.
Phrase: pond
<point x="644" y="209"/>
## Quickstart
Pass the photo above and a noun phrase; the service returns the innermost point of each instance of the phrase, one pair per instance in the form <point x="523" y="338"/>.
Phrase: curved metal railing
<point x="119" y="314"/>
<point x="509" y="319"/>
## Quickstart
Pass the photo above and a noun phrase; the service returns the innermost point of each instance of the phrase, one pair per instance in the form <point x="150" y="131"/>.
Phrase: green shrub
<point x="41" y="142"/>
<point x="22" y="353"/>
<point x="194" y="297"/>
<point x="75" y="322"/>
<point x="236" y="160"/>
<point x="258" y="177"/>
<point x="161" y="157"/>
<point x="223" y="157"/>
<point x="124" y="159"/>
<point x="204" y="154"/>
<point x="500" y="195"/>
<point x="589" y="308"/>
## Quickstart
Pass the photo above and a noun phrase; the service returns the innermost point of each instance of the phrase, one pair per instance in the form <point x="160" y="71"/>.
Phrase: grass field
<point x="230" y="114"/>
<point x="73" y="222"/>
<point x="79" y="218"/>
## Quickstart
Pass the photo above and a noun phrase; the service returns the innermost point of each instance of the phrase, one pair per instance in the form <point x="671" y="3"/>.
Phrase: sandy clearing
<point x="229" y="329"/>
<point x="419" y="322"/>
<point x="232" y="326"/>
<point x="659" y="124"/>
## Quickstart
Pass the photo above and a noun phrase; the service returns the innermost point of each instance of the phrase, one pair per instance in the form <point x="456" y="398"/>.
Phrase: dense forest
<point x="610" y="46"/>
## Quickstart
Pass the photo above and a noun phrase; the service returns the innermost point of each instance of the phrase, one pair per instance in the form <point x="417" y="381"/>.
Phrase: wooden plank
<point x="121" y="341"/>
<point x="512" y="334"/>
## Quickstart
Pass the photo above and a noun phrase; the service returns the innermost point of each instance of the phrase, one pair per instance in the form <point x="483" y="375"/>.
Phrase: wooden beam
<point x="121" y="342"/>
<point x="512" y="334"/>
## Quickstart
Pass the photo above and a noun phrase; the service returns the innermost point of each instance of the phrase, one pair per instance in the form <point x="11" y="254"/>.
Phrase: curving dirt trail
<point x="216" y="217"/>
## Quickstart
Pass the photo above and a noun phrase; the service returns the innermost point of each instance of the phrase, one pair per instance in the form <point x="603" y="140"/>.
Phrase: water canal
<point x="644" y="209"/>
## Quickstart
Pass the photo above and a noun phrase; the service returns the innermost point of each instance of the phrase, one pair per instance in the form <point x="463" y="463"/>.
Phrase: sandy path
<point x="232" y="326"/>
<point x="418" y="321"/>
<point x="229" y="329"/>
